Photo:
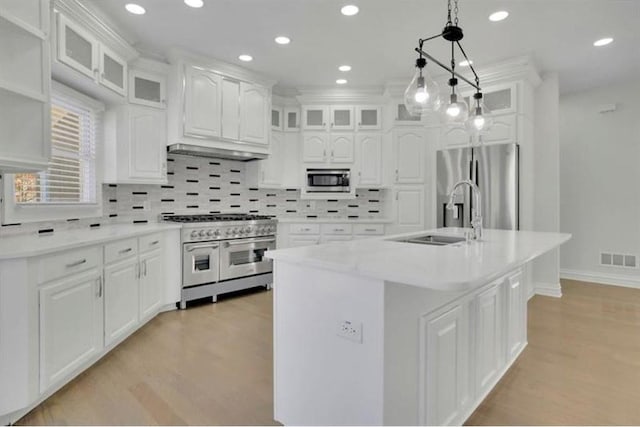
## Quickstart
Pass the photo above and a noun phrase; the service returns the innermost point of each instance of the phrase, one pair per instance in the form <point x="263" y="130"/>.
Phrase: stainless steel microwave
<point x="328" y="181"/>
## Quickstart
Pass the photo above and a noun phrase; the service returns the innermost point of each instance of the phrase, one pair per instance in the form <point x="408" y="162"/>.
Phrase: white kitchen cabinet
<point x="341" y="148"/>
<point x="499" y="99"/>
<point x="291" y="119"/>
<point x="271" y="170"/>
<point x="369" y="117"/>
<point x="341" y="117"/>
<point x="456" y="136"/>
<point x="121" y="304"/>
<point x="314" y="147"/>
<point x="230" y="105"/>
<point x="148" y="89"/>
<point x="202" y="103"/>
<point x="369" y="160"/>
<point x="490" y="354"/>
<point x="315" y="117"/>
<point x="254" y="109"/>
<point x="503" y="131"/>
<point x="282" y="168"/>
<point x="409" y="208"/>
<point x="113" y="71"/>
<point x="409" y="156"/>
<point x="306" y="234"/>
<point x="71" y="324"/>
<point x="335" y="238"/>
<point x="516" y="315"/>
<point x="445" y="352"/>
<point x="151" y="278"/>
<point x="78" y="48"/>
<point x="30" y="15"/>
<point x="277" y="119"/>
<point x="300" y="241"/>
<point x="135" y="145"/>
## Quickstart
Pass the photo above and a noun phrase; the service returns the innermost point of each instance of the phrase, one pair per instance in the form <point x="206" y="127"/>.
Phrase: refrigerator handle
<point x="475" y="175"/>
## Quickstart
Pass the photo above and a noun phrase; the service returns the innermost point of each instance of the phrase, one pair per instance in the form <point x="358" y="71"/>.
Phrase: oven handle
<point x="193" y="248"/>
<point x="249" y="242"/>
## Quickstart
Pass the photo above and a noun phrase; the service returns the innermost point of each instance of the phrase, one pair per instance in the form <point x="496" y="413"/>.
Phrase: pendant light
<point x="423" y="94"/>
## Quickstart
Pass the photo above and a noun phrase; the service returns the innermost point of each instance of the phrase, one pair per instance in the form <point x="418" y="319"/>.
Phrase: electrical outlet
<point x="350" y="330"/>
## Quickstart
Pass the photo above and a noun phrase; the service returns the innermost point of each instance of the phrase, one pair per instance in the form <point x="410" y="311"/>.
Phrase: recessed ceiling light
<point x="350" y="10"/>
<point x="603" y="42"/>
<point x="341" y="81"/>
<point x="498" y="16"/>
<point x="136" y="9"/>
<point x="344" y="68"/>
<point x="465" y="63"/>
<point x="194" y="3"/>
<point x="245" y="58"/>
<point x="283" y="40"/>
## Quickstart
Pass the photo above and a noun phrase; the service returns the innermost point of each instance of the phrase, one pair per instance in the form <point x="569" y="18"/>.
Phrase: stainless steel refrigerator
<point x="495" y="169"/>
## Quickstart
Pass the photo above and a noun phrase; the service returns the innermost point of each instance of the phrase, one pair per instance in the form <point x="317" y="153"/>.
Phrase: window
<point x="71" y="177"/>
<point x="69" y="188"/>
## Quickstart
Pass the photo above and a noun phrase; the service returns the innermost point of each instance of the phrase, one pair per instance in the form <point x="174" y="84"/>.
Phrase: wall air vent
<point x="618" y="260"/>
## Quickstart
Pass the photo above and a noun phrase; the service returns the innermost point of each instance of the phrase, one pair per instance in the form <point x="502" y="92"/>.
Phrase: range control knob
<point x="228" y="232"/>
<point x="234" y="231"/>
<point x="216" y="233"/>
<point x="194" y="234"/>
<point x="202" y="233"/>
<point x="209" y="233"/>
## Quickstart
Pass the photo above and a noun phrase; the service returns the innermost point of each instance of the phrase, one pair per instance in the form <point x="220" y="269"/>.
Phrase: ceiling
<point x="378" y="42"/>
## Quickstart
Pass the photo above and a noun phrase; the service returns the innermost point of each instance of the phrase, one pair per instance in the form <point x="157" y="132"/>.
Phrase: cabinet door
<point x="315" y="118"/>
<point x="409" y="156"/>
<point x="453" y="136"/>
<point x="503" y="130"/>
<point x="516" y="315"/>
<point x="291" y="119"/>
<point x="272" y="168"/>
<point x="342" y="148"/>
<point x="113" y="71"/>
<point x="369" y="160"/>
<point x="77" y="48"/>
<point x="410" y="207"/>
<point x="369" y="118"/>
<point x="341" y="118"/>
<point x="314" y="147"/>
<point x="32" y="15"/>
<point x="147" y="89"/>
<point x="202" y="103"/>
<point x="300" y="241"/>
<point x="151" y="279"/>
<point x="230" y="109"/>
<point x="147" y="144"/>
<point x="489" y="338"/>
<point x="254" y="107"/>
<point x="70" y="325"/>
<point x="121" y="292"/>
<point x="277" y="119"/>
<point x="444" y="356"/>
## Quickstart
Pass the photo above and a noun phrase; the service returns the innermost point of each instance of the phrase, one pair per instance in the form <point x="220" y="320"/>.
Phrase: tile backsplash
<point x="203" y="185"/>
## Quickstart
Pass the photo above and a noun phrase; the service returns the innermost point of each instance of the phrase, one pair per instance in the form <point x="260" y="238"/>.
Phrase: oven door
<point x="240" y="258"/>
<point x="200" y="263"/>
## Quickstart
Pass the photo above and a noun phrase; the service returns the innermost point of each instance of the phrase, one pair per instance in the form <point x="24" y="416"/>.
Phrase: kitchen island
<point x="382" y="331"/>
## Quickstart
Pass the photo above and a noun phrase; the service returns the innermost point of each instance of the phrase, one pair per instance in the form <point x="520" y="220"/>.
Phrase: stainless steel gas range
<point x="224" y="253"/>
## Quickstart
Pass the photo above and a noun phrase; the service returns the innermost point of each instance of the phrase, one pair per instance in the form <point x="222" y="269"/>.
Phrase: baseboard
<point x="548" y="289"/>
<point x="601" y="278"/>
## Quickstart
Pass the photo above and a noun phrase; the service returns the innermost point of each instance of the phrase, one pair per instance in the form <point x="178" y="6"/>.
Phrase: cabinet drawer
<point x="150" y="242"/>
<point x="121" y="249"/>
<point x="60" y="265"/>
<point x="369" y="229"/>
<point x="337" y="229"/>
<point x="304" y="229"/>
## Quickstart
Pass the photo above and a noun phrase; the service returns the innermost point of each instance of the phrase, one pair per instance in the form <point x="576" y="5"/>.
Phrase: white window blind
<point x="71" y="177"/>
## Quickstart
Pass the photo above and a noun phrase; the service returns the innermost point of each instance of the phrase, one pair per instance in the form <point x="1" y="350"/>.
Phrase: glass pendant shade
<point x="422" y="95"/>
<point x="480" y="119"/>
<point x="456" y="111"/>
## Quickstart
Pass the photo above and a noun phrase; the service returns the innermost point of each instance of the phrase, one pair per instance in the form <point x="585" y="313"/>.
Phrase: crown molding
<point x="332" y="95"/>
<point x="177" y="56"/>
<point x="284" y="101"/>
<point x="88" y="19"/>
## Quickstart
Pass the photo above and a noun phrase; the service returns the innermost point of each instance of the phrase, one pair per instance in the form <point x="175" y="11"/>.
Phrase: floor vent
<point x="618" y="260"/>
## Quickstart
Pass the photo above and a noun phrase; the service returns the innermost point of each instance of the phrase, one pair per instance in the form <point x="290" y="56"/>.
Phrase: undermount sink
<point x="432" y="239"/>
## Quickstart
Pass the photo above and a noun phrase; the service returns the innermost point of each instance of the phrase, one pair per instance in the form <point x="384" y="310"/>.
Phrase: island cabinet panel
<point x="516" y="315"/>
<point x="70" y="325"/>
<point x="444" y="383"/>
<point x="489" y="355"/>
<point x="121" y="299"/>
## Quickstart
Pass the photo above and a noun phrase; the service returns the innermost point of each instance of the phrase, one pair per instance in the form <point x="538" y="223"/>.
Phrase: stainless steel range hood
<point x="218" y="153"/>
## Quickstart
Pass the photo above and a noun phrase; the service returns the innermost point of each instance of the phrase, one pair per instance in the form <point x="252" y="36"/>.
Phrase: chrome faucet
<point x="476" y="213"/>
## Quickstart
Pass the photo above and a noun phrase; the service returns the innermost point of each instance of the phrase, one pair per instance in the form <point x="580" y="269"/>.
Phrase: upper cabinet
<point x="341" y="118"/>
<point x="315" y="117"/>
<point x="369" y="117"/>
<point x="409" y="156"/>
<point x="291" y="119"/>
<point x="25" y="85"/>
<point x="218" y="107"/>
<point x="147" y="89"/>
<point x="81" y="49"/>
<point x="276" y="119"/>
<point x="499" y="99"/>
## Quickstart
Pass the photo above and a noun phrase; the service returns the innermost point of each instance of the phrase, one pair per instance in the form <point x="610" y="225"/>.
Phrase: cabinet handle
<point x="396" y="195"/>
<point x="397" y="175"/>
<point x="137" y="270"/>
<point x="155" y="242"/>
<point x="338" y="229"/>
<point x="77" y="263"/>
<point x="332" y="154"/>
<point x="324" y="154"/>
<point x="144" y="264"/>
<point x="370" y="229"/>
<point x="262" y="176"/>
<point x="163" y="101"/>
<point x="99" y="280"/>
<point x="359" y="124"/>
<point x="324" y="124"/>
<point x="125" y="251"/>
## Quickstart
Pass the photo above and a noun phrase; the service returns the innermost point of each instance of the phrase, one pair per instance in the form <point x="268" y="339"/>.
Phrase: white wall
<point x="600" y="181"/>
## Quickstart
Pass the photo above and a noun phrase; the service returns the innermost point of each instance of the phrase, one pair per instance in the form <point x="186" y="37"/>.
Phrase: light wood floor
<point x="212" y="364"/>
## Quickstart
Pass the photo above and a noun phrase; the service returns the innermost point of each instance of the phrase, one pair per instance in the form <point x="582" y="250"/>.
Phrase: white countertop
<point x="23" y="246"/>
<point x="456" y="267"/>
<point x="305" y="220"/>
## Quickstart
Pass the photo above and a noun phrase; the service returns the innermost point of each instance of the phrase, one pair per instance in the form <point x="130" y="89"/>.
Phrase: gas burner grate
<point x="214" y="218"/>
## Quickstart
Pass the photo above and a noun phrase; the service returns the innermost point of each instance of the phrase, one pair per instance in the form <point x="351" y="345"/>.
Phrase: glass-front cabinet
<point x="291" y="119"/>
<point x="315" y="117"/>
<point x="276" y="118"/>
<point x="77" y="48"/>
<point x="499" y="99"/>
<point x="341" y="118"/>
<point x="147" y="89"/>
<point x="113" y="71"/>
<point x="369" y="117"/>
